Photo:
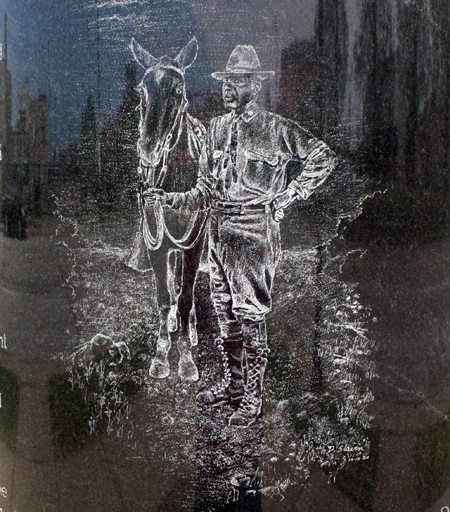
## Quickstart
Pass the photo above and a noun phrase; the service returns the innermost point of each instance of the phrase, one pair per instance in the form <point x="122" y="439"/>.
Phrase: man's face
<point x="238" y="90"/>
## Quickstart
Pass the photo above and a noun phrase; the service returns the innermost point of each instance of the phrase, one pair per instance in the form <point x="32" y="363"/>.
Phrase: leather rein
<point x="147" y="174"/>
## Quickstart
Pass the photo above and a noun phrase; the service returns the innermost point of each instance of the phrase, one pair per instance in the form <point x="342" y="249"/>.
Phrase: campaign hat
<point x="243" y="61"/>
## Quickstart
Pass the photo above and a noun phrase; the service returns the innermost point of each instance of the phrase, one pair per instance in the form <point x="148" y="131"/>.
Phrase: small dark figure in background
<point x="13" y="216"/>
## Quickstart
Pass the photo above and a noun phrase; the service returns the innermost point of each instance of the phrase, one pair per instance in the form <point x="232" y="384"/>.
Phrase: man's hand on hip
<point x="281" y="202"/>
<point x="284" y="199"/>
<point x="278" y="215"/>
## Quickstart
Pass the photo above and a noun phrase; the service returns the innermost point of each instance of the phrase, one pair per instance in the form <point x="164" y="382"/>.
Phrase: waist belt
<point x="231" y="208"/>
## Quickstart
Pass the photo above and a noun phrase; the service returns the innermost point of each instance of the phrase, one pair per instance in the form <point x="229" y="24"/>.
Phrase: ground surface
<point x="384" y="315"/>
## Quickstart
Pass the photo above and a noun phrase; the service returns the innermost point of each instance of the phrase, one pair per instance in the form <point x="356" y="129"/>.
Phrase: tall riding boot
<point x="231" y="387"/>
<point x="256" y="350"/>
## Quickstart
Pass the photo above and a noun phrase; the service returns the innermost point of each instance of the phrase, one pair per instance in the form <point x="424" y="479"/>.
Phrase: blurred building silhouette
<point x="5" y="111"/>
<point x="314" y="76"/>
<point x="23" y="152"/>
<point x="28" y="165"/>
<point x="204" y="106"/>
<point x="297" y="84"/>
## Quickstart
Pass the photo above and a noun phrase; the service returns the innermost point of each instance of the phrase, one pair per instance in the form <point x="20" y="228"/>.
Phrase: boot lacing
<point x="226" y="380"/>
<point x="252" y="398"/>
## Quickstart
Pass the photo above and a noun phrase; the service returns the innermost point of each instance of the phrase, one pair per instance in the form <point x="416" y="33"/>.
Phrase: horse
<point x="170" y="241"/>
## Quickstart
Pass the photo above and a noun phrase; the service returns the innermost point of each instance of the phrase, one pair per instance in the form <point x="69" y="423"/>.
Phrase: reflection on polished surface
<point x="360" y="321"/>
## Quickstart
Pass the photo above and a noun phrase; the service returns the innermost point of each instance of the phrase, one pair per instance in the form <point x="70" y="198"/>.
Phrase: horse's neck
<point x="181" y="160"/>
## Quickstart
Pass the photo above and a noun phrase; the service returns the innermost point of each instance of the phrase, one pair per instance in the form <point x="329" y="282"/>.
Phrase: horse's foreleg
<point x="187" y="333"/>
<point x="174" y="278"/>
<point x="193" y="336"/>
<point x="159" y="368"/>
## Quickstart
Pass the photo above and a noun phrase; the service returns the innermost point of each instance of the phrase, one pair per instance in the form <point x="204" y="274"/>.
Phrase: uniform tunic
<point x="247" y="158"/>
<point x="252" y="168"/>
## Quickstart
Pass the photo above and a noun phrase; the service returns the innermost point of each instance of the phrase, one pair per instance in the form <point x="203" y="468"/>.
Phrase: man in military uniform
<point x="245" y="186"/>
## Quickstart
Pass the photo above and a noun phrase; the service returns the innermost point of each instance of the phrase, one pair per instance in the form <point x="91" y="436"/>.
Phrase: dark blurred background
<point x="372" y="78"/>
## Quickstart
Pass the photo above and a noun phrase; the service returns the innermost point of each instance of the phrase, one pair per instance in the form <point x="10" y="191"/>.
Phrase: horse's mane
<point x="196" y="131"/>
<point x="195" y="126"/>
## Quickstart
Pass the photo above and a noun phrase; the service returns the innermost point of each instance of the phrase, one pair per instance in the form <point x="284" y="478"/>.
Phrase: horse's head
<point x="163" y="98"/>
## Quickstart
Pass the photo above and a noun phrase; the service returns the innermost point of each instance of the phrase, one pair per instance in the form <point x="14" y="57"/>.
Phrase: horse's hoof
<point x="187" y="369"/>
<point x="159" y="369"/>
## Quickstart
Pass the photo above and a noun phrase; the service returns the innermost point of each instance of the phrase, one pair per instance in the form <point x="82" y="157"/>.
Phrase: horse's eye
<point x="178" y="90"/>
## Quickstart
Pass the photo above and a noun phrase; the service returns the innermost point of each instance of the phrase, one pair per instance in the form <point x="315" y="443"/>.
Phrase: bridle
<point x="145" y="167"/>
<point x="147" y="172"/>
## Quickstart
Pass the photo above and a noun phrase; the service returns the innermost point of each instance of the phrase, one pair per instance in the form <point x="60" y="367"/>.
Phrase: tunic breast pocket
<point x="259" y="170"/>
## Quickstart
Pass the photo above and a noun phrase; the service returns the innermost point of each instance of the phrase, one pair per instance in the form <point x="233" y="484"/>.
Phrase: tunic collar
<point x="251" y="110"/>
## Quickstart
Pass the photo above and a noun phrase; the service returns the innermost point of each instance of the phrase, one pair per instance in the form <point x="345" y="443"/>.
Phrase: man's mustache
<point x="246" y="98"/>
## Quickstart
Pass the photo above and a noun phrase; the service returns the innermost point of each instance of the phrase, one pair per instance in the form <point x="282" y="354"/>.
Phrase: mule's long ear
<point x="188" y="54"/>
<point x="145" y="59"/>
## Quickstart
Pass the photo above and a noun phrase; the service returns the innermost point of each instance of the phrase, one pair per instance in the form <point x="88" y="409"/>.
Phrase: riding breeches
<point x="244" y="250"/>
